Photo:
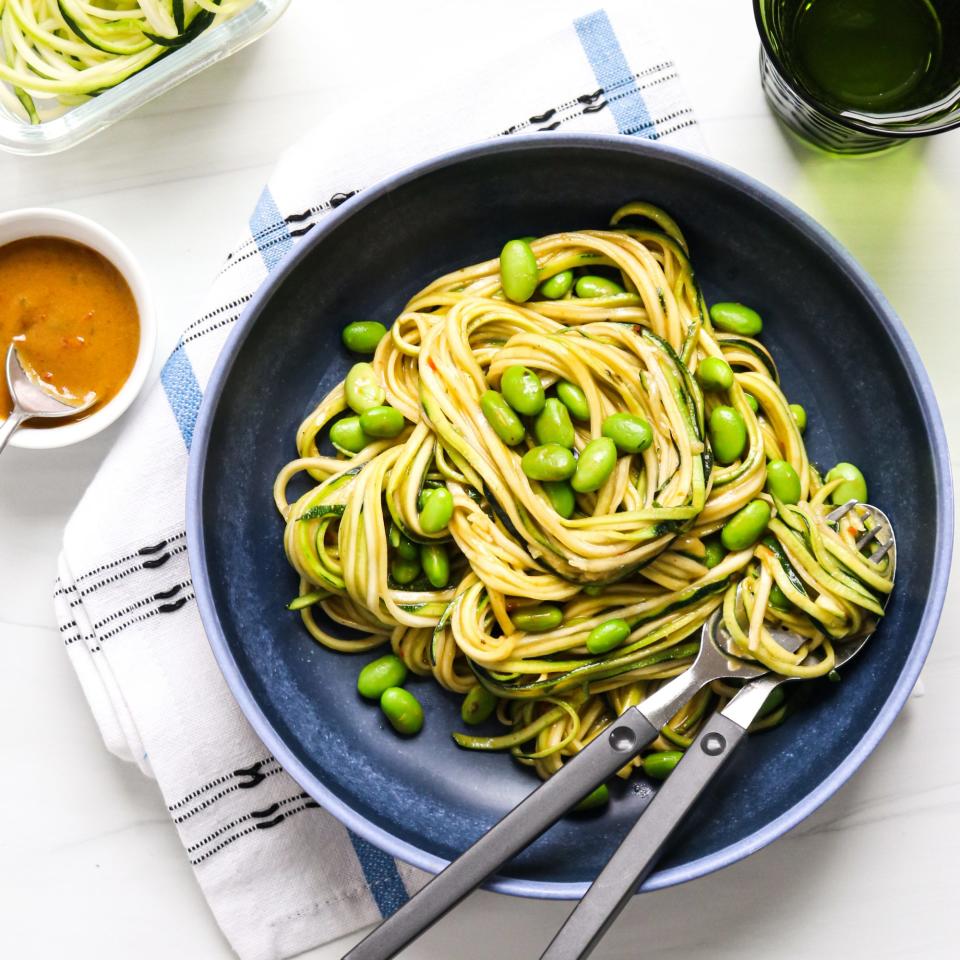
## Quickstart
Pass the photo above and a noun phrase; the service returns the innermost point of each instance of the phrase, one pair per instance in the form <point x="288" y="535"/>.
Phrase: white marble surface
<point x="91" y="866"/>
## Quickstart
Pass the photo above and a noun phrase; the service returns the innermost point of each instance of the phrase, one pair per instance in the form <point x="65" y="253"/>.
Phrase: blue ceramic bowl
<point x="842" y="354"/>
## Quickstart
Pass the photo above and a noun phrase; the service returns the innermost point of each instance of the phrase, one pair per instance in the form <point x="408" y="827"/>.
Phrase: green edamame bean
<point x="558" y="286"/>
<point x="404" y="546"/>
<point x="595" y="465"/>
<point x="607" y="635"/>
<point x="382" y="422"/>
<point x="538" y="619"/>
<point x="799" y="416"/>
<point x="746" y="526"/>
<point x="778" y="598"/>
<point x="736" y="318"/>
<point x="659" y="766"/>
<point x="715" y="552"/>
<point x="436" y="564"/>
<point x="347" y="434"/>
<point x="518" y="270"/>
<point x="553" y="424"/>
<point x="529" y="238"/>
<point x="561" y="497"/>
<point x="631" y="433"/>
<point x="379" y="674"/>
<point x="478" y="705"/>
<point x="402" y="709"/>
<point x="596" y="798"/>
<point x="548" y="462"/>
<point x="404" y="571"/>
<point x="437" y="510"/>
<point x="728" y="434"/>
<point x="854" y="486"/>
<point x="362" y="388"/>
<point x="362" y="336"/>
<point x="591" y="286"/>
<point x="574" y="399"/>
<point x="506" y="424"/>
<point x="714" y="373"/>
<point x="783" y="481"/>
<point x="522" y="389"/>
<point x="752" y="402"/>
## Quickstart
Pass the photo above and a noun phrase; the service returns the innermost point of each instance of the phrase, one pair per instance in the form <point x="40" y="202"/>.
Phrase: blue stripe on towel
<point x="382" y="876"/>
<point x="183" y="392"/>
<point x="613" y="73"/>
<point x="270" y="230"/>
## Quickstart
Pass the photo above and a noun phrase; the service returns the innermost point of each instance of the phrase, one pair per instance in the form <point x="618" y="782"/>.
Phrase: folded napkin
<point x="280" y="874"/>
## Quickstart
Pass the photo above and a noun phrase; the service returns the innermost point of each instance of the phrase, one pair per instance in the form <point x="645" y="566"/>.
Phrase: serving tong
<point x="636" y="728"/>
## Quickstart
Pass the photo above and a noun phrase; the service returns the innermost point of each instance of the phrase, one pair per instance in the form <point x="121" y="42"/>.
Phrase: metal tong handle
<point x="638" y="853"/>
<point x="600" y="759"/>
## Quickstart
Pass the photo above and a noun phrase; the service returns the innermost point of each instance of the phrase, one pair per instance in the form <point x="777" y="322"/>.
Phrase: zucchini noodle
<point x="634" y="550"/>
<point x="55" y="54"/>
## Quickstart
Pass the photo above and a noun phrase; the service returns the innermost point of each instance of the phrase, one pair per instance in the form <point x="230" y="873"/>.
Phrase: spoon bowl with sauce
<point x="74" y="305"/>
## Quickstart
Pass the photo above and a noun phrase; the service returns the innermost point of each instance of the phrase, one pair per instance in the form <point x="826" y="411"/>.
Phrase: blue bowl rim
<point x="800" y="221"/>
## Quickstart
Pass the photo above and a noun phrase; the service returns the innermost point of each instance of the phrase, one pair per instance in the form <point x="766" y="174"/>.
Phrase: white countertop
<point x="91" y="865"/>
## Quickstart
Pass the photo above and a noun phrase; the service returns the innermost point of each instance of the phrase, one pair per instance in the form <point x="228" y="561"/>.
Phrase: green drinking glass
<point x="859" y="76"/>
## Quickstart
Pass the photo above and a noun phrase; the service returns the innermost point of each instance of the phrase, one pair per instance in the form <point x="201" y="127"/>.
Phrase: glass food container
<point x="97" y="114"/>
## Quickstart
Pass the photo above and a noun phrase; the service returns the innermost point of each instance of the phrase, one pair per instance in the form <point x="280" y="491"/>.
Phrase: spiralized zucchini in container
<point x="556" y="466"/>
<point x="56" y="54"/>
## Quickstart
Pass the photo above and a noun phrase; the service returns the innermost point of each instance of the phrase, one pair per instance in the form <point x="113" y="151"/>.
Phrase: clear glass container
<point x="97" y="114"/>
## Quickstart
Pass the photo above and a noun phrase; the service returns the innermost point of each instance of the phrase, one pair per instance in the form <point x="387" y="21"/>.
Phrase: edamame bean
<point x="538" y="619"/>
<point x="404" y="546"/>
<point x="362" y="336"/>
<point x="379" y="674"/>
<point x="478" y="705"/>
<point x="522" y="389"/>
<point x="558" y="286"/>
<point x="736" y="318"/>
<point x="561" y="497"/>
<point x="659" y="766"/>
<point x="715" y="552"/>
<point x="854" y="486"/>
<point x="553" y="424"/>
<point x="506" y="424"/>
<point x="783" y="481"/>
<point x="752" y="402"/>
<point x="591" y="286"/>
<point x="347" y="434"/>
<point x="799" y="416"/>
<point x="518" y="270"/>
<point x="596" y="798"/>
<point x="631" y="433"/>
<point x="607" y="635"/>
<point x="574" y="399"/>
<point x="778" y="598"/>
<point x="437" y="510"/>
<point x="382" y="422"/>
<point x="436" y="564"/>
<point x="362" y="388"/>
<point x="728" y="434"/>
<point x="595" y="465"/>
<point x="404" y="571"/>
<point x="548" y="462"/>
<point x="714" y="373"/>
<point x="403" y="710"/>
<point x="746" y="526"/>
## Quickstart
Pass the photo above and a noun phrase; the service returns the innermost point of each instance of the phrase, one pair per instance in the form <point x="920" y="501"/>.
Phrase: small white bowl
<point x="44" y="222"/>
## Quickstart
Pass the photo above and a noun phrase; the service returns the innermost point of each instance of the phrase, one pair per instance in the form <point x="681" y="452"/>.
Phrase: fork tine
<point x="880" y="553"/>
<point x="866" y="537"/>
<point x="841" y="511"/>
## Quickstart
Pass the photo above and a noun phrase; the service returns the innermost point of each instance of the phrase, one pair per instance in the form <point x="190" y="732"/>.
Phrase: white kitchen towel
<point x="281" y="874"/>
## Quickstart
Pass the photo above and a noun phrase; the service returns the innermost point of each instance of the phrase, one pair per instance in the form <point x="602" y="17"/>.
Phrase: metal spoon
<point x="31" y="398"/>
<point x="715" y="744"/>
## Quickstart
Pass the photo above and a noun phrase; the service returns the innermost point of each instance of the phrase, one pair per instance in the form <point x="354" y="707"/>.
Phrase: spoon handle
<point x="8" y="426"/>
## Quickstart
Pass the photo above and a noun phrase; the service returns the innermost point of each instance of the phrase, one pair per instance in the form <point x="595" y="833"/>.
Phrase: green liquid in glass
<point x="876" y="56"/>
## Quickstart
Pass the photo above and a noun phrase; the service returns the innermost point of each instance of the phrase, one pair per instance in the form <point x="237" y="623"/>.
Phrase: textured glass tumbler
<point x="843" y="131"/>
